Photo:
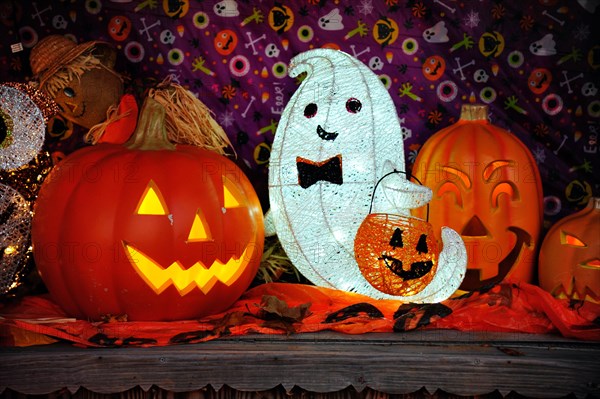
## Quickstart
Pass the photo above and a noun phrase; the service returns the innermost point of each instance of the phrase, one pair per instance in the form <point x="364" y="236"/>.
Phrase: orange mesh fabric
<point x="280" y="308"/>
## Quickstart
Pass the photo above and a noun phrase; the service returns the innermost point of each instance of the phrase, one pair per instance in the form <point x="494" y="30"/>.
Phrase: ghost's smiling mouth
<point x="325" y="135"/>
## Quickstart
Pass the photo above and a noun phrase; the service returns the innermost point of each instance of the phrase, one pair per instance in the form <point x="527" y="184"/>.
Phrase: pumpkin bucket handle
<point x="395" y="171"/>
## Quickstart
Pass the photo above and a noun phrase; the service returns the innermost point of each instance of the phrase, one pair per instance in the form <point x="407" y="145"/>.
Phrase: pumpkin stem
<point x="474" y="112"/>
<point x="150" y="132"/>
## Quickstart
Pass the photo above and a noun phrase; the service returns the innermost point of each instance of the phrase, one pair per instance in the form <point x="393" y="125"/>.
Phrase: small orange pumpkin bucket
<point x="396" y="254"/>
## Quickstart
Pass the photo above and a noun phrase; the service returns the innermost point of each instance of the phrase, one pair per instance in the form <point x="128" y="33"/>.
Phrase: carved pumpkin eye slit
<point x="504" y="188"/>
<point x="232" y="196"/>
<point x="453" y="174"/>
<point x="493" y="167"/>
<point x="571" y="240"/>
<point x="507" y="188"/>
<point x="152" y="202"/>
<point x="451" y="188"/>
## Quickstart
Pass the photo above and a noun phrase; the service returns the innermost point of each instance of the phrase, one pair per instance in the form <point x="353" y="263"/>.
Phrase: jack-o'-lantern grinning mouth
<point x="473" y="276"/>
<point x="417" y="269"/>
<point x="198" y="275"/>
<point x="572" y="292"/>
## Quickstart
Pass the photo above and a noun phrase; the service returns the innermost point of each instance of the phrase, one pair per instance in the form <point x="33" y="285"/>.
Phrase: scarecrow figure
<point x="82" y="81"/>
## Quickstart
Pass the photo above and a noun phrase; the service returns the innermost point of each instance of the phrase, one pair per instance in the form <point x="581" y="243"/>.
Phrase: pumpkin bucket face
<point x="569" y="262"/>
<point x="485" y="186"/>
<point x="396" y="254"/>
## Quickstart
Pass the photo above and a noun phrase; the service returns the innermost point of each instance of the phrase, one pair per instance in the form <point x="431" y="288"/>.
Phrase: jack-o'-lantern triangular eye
<point x="152" y="202"/>
<point x="570" y="239"/>
<point x="232" y="195"/>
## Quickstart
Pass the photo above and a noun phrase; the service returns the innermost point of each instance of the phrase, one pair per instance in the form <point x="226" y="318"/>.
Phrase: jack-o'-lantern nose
<point x="474" y="228"/>
<point x="200" y="230"/>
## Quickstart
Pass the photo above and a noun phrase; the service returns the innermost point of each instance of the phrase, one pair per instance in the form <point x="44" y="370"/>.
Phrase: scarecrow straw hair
<point x="112" y="115"/>
<point x="188" y="120"/>
<point x="74" y="70"/>
<point x="274" y="262"/>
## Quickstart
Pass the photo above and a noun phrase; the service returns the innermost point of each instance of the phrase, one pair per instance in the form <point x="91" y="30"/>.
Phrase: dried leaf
<point x="278" y="315"/>
<point x="273" y="308"/>
<point x="232" y="319"/>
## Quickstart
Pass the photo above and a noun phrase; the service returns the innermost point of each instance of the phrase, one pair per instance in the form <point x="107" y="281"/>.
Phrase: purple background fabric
<point x="507" y="41"/>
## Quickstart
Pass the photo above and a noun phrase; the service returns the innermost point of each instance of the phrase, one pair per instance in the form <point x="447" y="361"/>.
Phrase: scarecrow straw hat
<point x="55" y="52"/>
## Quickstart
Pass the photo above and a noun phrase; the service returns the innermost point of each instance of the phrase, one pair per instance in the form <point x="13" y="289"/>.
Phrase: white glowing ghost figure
<point x="338" y="135"/>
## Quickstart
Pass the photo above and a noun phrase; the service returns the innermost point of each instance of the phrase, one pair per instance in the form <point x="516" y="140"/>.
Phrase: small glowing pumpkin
<point x="487" y="187"/>
<point x="569" y="262"/>
<point x="395" y="253"/>
<point x="147" y="229"/>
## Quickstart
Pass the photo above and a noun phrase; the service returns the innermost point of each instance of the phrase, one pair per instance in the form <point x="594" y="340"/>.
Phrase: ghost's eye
<point x="310" y="110"/>
<point x="353" y="105"/>
<point x="69" y="92"/>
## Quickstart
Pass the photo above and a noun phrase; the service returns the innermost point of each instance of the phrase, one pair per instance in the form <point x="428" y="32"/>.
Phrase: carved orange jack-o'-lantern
<point x="148" y="229"/>
<point x="539" y="80"/>
<point x="434" y="67"/>
<point x="396" y="254"/>
<point x="225" y="42"/>
<point x="569" y="262"/>
<point x="487" y="187"/>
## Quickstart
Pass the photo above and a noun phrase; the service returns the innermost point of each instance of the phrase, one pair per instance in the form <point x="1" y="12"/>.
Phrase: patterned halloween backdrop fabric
<point x="535" y="63"/>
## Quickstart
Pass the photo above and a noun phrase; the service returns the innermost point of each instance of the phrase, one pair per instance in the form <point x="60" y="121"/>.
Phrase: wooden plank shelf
<point x="455" y="362"/>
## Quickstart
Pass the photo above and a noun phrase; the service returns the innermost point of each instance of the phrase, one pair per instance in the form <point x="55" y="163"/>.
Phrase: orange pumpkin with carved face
<point x="569" y="262"/>
<point x="147" y="229"/>
<point x="487" y="187"/>
<point x="396" y="254"/>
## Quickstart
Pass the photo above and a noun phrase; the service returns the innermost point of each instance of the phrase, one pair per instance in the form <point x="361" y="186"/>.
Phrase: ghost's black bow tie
<point x="310" y="172"/>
